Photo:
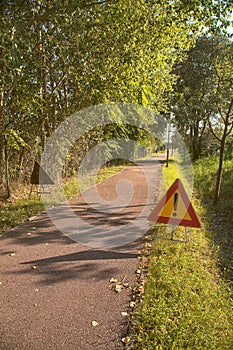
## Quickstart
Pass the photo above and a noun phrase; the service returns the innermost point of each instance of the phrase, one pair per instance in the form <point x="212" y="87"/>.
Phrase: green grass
<point x="20" y="209"/>
<point x="12" y="214"/>
<point x="205" y="179"/>
<point x="177" y="169"/>
<point x="218" y="218"/>
<point x="187" y="304"/>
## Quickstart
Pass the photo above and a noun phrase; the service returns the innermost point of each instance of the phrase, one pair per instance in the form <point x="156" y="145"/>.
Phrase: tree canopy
<point x="203" y="98"/>
<point x="60" y="57"/>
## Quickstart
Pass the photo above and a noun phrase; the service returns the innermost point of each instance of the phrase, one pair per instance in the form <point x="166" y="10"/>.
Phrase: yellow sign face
<point x="175" y="208"/>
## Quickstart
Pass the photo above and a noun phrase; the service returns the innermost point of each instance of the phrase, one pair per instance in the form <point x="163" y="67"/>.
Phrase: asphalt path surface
<point x="54" y="291"/>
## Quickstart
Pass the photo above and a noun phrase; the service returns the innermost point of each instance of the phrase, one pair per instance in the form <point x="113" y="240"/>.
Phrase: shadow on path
<point x="84" y="265"/>
<point x="87" y="255"/>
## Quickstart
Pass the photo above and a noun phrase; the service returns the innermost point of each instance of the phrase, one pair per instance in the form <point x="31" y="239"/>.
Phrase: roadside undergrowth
<point x="186" y="304"/>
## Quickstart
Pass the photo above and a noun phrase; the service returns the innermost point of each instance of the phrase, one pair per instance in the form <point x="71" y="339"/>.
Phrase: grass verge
<point x="219" y="219"/>
<point x="187" y="304"/>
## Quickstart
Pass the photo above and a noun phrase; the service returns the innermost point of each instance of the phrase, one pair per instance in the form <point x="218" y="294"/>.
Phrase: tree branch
<point x="98" y="3"/>
<point x="59" y="82"/>
<point x="228" y="116"/>
<point x="229" y="108"/>
<point x="212" y="131"/>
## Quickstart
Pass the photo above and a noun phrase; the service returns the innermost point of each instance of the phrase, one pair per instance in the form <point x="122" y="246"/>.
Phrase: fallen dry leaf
<point x="113" y="280"/>
<point x="132" y="304"/>
<point x="124" y="313"/>
<point x="118" y="288"/>
<point x="34" y="267"/>
<point x="125" y="340"/>
<point x="94" y="323"/>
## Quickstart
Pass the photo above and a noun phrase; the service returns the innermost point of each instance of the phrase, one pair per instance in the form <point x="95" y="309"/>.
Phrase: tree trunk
<point x="21" y="169"/>
<point x="222" y="149"/>
<point x="2" y="145"/>
<point x="194" y="132"/>
<point x="220" y="169"/>
<point x="8" y="191"/>
<point x="42" y="89"/>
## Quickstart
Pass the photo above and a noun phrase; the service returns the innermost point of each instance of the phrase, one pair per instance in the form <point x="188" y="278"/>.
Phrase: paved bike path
<point x="54" y="292"/>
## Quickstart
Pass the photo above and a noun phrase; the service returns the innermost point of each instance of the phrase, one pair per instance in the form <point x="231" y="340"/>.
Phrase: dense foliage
<point x="60" y="57"/>
<point x="202" y="101"/>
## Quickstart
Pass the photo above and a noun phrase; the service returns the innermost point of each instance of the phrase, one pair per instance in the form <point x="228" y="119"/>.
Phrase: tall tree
<point x="192" y="98"/>
<point x="221" y="122"/>
<point x="204" y="95"/>
<point x="60" y="57"/>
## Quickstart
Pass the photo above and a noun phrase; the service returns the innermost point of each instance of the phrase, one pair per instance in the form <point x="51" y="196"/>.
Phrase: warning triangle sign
<point x="40" y="176"/>
<point x="175" y="208"/>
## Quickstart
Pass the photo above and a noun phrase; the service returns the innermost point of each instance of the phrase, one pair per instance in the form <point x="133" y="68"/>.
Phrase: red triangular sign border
<point x="177" y="185"/>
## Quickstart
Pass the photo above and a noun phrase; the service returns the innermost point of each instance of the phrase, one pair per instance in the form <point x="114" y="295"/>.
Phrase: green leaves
<point x="203" y="87"/>
<point x="57" y="58"/>
<point x="14" y="140"/>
